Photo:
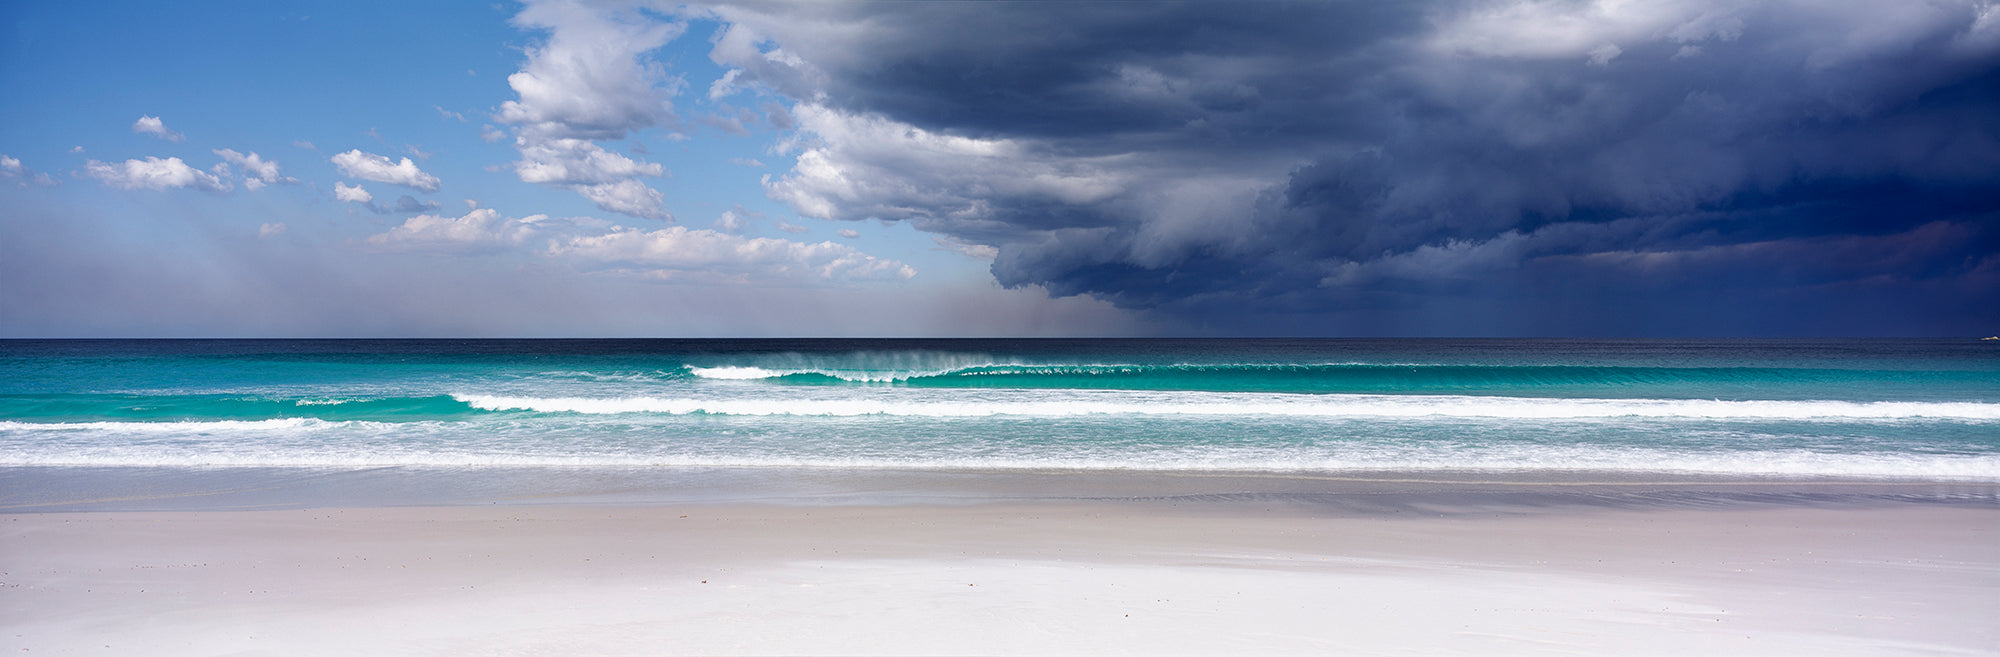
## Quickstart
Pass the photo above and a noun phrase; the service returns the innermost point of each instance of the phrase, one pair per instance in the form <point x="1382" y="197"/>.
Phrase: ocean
<point x="1893" y="409"/>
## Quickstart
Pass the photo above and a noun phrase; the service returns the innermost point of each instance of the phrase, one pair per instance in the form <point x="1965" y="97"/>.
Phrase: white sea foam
<point x="179" y="427"/>
<point x="1515" y="459"/>
<point x="738" y="373"/>
<point x="1075" y="403"/>
<point x="643" y="431"/>
<point x="860" y="367"/>
<point x="936" y="367"/>
<point x="650" y="376"/>
<point x="735" y="373"/>
<point x="883" y="369"/>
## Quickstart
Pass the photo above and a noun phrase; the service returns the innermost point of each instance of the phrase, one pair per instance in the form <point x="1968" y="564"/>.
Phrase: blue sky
<point x="298" y="84"/>
<point x="1447" y="167"/>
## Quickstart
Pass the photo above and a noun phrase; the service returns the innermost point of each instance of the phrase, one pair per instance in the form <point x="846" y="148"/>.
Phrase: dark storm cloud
<point x="1093" y="70"/>
<point x="1367" y="166"/>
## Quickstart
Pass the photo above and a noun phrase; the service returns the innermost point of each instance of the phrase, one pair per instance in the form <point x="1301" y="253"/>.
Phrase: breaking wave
<point x="1249" y="404"/>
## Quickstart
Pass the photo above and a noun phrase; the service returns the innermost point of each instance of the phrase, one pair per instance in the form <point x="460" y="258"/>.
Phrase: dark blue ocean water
<point x="1926" y="409"/>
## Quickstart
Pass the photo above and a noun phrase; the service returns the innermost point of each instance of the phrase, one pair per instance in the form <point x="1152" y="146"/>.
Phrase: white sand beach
<point x="1240" y="576"/>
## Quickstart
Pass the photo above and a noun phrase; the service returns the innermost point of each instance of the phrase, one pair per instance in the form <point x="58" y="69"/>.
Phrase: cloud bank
<point x="675" y="253"/>
<point x="1458" y="166"/>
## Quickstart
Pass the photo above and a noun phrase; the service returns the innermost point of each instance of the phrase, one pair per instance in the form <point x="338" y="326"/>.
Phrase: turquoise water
<point x="1925" y="409"/>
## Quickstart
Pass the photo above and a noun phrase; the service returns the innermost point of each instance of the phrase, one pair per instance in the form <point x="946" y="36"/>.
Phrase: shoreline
<point x="1014" y="563"/>
<point x="39" y="489"/>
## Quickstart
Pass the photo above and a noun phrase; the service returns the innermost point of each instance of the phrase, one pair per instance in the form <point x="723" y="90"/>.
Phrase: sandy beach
<point x="1701" y="572"/>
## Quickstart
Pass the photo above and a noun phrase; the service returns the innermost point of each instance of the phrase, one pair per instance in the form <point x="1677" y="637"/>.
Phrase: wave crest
<point x="1250" y="405"/>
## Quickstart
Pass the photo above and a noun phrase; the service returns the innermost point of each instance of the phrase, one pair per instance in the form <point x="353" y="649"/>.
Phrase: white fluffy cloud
<point x="748" y="47"/>
<point x="377" y="168"/>
<point x="608" y="179"/>
<point x="590" y="81"/>
<point x="172" y="172"/>
<point x="152" y="125"/>
<point x="257" y="171"/>
<point x="355" y="194"/>
<point x="156" y="173"/>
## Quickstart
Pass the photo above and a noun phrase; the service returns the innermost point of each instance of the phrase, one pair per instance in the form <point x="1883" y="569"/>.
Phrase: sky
<point x="627" y="168"/>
